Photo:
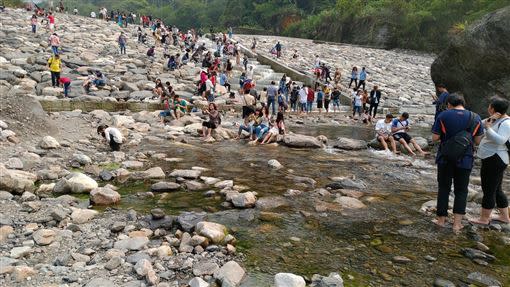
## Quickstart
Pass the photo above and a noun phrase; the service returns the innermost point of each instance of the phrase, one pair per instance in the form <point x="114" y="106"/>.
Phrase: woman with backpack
<point x="493" y="151"/>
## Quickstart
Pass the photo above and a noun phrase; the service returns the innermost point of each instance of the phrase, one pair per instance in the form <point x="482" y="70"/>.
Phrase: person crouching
<point x="112" y="135"/>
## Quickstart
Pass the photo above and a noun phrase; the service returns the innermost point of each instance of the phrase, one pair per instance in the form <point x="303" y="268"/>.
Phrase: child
<point x="366" y="117"/>
<point x="112" y="136"/>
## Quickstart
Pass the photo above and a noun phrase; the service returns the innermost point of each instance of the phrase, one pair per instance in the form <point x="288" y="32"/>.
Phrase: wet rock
<point x="350" y="144"/>
<point x="244" y="200"/>
<point x="477" y="254"/>
<point x="301" y="141"/>
<point x="104" y="196"/>
<point x="44" y="236"/>
<point x="483" y="280"/>
<point x="301" y="179"/>
<point x="272" y="202"/>
<point x="188" y="220"/>
<point x="288" y="280"/>
<point x="230" y="274"/>
<point x="157" y="213"/>
<point x="49" y="142"/>
<point x="401" y="259"/>
<point x="347" y="184"/>
<point x="214" y="231"/>
<point x="186" y="173"/>
<point x="274" y="164"/>
<point x="349" y="202"/>
<point x="165" y="186"/>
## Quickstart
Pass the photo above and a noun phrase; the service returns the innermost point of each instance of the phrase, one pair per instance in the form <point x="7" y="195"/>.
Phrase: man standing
<point x="440" y="101"/>
<point x="278" y="48"/>
<point x="303" y="97"/>
<point x="122" y="43"/>
<point x="458" y="131"/>
<point x="55" y="65"/>
<point x="272" y="92"/>
<point x="375" y="98"/>
<point x="362" y="78"/>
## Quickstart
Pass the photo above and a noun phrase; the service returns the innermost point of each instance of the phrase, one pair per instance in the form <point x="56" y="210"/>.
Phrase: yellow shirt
<point x="54" y="64"/>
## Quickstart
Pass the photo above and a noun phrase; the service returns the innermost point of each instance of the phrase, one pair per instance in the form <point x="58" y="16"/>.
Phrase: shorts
<point x="52" y="26"/>
<point x="319" y="104"/>
<point x="404" y="136"/>
<point x="336" y="103"/>
<point x="209" y="125"/>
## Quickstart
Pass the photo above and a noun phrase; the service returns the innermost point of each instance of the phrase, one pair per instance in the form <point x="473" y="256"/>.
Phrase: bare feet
<point x="501" y="219"/>
<point x="480" y="221"/>
<point x="457" y="229"/>
<point x="439" y="222"/>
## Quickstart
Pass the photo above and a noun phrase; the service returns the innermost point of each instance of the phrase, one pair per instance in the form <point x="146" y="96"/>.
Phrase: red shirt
<point x="52" y="19"/>
<point x="65" y="80"/>
<point x="311" y="95"/>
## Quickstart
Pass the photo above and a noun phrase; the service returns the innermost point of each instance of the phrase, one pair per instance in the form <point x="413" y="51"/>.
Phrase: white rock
<point x="230" y="274"/>
<point x="274" y="164"/>
<point x="349" y="202"/>
<point x="48" y="142"/>
<point x="288" y="280"/>
<point x="14" y="163"/>
<point x="80" y="216"/>
<point x="244" y="200"/>
<point x="214" y="231"/>
<point x="198" y="282"/>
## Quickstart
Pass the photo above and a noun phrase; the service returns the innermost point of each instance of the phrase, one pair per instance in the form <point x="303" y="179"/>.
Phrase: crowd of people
<point x="462" y="135"/>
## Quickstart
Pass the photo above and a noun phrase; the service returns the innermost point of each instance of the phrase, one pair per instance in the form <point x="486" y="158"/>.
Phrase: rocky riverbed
<point x="318" y="208"/>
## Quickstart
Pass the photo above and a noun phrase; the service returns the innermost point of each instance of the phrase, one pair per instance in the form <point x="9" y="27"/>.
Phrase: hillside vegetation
<point x="411" y="24"/>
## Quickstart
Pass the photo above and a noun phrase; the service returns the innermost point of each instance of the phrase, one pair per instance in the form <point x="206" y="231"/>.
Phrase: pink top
<point x="34" y="21"/>
<point x="54" y="40"/>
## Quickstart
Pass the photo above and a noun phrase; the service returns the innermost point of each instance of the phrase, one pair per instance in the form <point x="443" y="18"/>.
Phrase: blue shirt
<point x="354" y="75"/>
<point x="223" y="79"/>
<point x="397" y="123"/>
<point x="363" y="75"/>
<point x="448" y="124"/>
<point x="320" y="96"/>
<point x="442" y="99"/>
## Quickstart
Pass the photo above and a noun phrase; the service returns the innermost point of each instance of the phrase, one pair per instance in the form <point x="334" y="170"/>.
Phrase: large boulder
<point x="301" y="141"/>
<point x="350" y="144"/>
<point x="477" y="62"/>
<point x="230" y="274"/>
<point x="104" y="196"/>
<point x="75" y="183"/>
<point x="16" y="181"/>
<point x="48" y="142"/>
<point x="288" y="280"/>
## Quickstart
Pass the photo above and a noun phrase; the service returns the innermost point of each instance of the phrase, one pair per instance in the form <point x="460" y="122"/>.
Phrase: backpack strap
<point x="499" y="125"/>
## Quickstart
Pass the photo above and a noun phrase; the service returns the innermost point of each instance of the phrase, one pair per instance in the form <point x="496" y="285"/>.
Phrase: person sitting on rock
<point x="214" y="121"/>
<point x="158" y="89"/>
<point x="399" y="128"/>
<point x="277" y="127"/>
<point x="100" y="79"/>
<point x="169" y="109"/>
<point x="172" y="64"/>
<point x="383" y="133"/>
<point x="366" y="118"/>
<point x="151" y="53"/>
<point x="112" y="135"/>
<point x="180" y="107"/>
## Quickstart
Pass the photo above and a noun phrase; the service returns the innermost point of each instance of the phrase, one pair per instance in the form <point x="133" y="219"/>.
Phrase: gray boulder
<point x="301" y="141"/>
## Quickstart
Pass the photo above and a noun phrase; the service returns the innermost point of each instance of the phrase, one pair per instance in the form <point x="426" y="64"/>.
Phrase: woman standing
<point x="214" y="121"/>
<point x="354" y="77"/>
<point x="493" y="151"/>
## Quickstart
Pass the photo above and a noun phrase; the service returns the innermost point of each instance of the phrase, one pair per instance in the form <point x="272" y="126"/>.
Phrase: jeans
<point x="122" y="48"/>
<point x="34" y="28"/>
<point x="309" y="106"/>
<point x="54" y="49"/>
<point x="356" y="109"/>
<point x="293" y="106"/>
<point x="55" y="77"/>
<point x="66" y="89"/>
<point x="302" y="107"/>
<point x="374" y="108"/>
<point x="245" y="128"/>
<point x="446" y="173"/>
<point x="271" y="102"/>
<point x="492" y="172"/>
<point x="260" y="130"/>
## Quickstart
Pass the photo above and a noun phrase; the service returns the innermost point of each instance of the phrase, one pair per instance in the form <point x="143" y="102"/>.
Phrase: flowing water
<point x="302" y="237"/>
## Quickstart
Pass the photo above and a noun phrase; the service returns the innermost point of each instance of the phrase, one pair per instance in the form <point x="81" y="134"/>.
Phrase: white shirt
<point x="303" y="95"/>
<point x="93" y="14"/>
<point x="381" y="127"/>
<point x="357" y="101"/>
<point x="113" y="132"/>
<point x="494" y="141"/>
<point x="208" y="85"/>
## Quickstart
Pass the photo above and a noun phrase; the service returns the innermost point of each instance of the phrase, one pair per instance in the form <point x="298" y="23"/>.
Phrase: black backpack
<point x="457" y="146"/>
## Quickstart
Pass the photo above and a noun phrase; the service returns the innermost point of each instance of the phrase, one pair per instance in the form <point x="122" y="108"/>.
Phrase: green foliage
<point x="414" y="24"/>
